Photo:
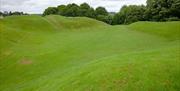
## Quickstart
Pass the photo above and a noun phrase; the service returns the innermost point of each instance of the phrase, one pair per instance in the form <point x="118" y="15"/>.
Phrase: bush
<point x="173" y="19"/>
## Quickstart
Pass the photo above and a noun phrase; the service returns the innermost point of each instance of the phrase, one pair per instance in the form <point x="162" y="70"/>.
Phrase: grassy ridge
<point x="71" y="54"/>
<point x="61" y="22"/>
<point x="169" y="30"/>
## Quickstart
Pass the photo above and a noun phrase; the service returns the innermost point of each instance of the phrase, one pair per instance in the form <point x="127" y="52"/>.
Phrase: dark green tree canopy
<point x="85" y="6"/>
<point x="72" y="10"/>
<point x="61" y="9"/>
<point x="132" y="13"/>
<point x="160" y="10"/>
<point x="101" y="11"/>
<point x="84" y="9"/>
<point x="90" y="13"/>
<point x="50" y="10"/>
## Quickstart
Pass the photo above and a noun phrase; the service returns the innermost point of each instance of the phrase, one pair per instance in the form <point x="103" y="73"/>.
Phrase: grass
<point x="170" y="30"/>
<point x="56" y="53"/>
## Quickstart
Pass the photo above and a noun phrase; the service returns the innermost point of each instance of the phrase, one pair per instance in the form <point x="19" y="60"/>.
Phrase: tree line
<point x="73" y="10"/>
<point x="6" y="13"/>
<point x="155" y="10"/>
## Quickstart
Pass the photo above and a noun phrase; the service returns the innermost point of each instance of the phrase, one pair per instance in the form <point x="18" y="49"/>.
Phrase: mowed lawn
<point x="56" y="53"/>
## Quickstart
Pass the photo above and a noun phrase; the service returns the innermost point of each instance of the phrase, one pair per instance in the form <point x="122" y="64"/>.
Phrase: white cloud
<point x="38" y="6"/>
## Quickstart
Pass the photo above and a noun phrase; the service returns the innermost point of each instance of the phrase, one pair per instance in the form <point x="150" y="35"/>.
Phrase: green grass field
<point x="56" y="53"/>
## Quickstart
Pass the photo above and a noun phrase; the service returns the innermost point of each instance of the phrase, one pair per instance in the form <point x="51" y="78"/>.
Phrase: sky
<point x="38" y="6"/>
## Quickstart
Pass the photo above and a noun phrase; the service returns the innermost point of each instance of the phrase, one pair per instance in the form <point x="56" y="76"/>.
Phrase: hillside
<point x="51" y="22"/>
<point x="169" y="30"/>
<point x="56" y="53"/>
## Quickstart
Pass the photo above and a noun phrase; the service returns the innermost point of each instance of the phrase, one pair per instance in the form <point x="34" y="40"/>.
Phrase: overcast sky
<point x="38" y="6"/>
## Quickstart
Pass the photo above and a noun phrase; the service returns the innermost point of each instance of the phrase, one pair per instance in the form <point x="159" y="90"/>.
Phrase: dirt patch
<point x="26" y="61"/>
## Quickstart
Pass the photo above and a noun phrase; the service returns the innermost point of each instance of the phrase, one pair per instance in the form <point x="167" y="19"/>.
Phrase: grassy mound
<point x="26" y="23"/>
<point x="50" y="22"/>
<point x="61" y="22"/>
<point x="37" y="57"/>
<point x="170" y="30"/>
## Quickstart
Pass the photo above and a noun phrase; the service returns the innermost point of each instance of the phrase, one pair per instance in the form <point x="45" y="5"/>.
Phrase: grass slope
<point x="56" y="53"/>
<point x="170" y="30"/>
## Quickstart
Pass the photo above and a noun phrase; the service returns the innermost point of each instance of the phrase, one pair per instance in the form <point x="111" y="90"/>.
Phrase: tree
<point x="118" y="19"/>
<point x="109" y="19"/>
<point x="160" y="10"/>
<point x="84" y="9"/>
<point x="1" y="14"/>
<point x="130" y="14"/>
<point x="101" y="14"/>
<point x="72" y="10"/>
<point x="50" y="10"/>
<point x="175" y="8"/>
<point x="61" y="9"/>
<point x="101" y="18"/>
<point x="16" y="13"/>
<point x="91" y="13"/>
<point x="10" y="13"/>
<point x="101" y="11"/>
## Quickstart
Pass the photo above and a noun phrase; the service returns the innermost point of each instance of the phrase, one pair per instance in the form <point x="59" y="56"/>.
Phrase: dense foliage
<point x="84" y="10"/>
<point x="162" y="10"/>
<point x="51" y="10"/>
<point x="129" y="14"/>
<point x="155" y="10"/>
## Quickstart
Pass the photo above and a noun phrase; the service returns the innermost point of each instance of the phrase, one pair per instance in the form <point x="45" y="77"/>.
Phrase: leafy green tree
<point x="160" y="10"/>
<point x="118" y="19"/>
<point x="91" y="13"/>
<point x="61" y="9"/>
<point x="101" y="18"/>
<point x="130" y="14"/>
<point x="50" y="10"/>
<point x="109" y="19"/>
<point x="72" y="10"/>
<point x="84" y="9"/>
<point x="175" y="8"/>
<point x="101" y="11"/>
